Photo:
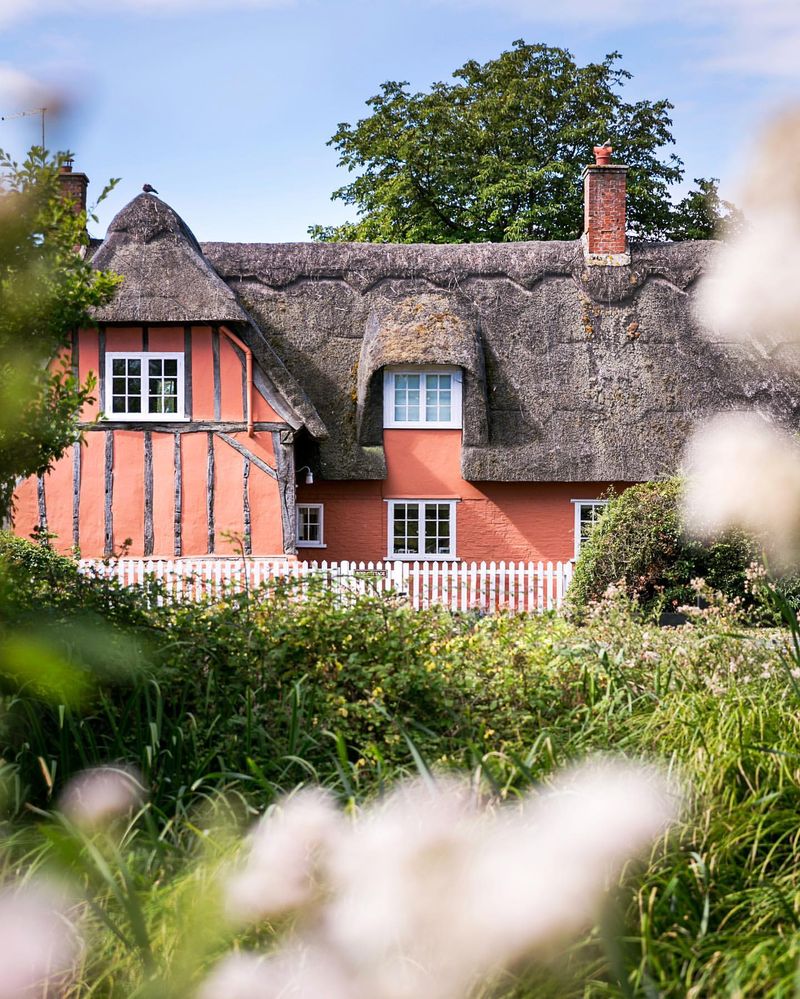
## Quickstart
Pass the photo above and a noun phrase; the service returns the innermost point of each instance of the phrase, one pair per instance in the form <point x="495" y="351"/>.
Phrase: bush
<point x="639" y="540"/>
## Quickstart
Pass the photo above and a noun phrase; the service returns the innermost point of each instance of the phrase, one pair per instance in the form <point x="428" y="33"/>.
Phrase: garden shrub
<point x="639" y="541"/>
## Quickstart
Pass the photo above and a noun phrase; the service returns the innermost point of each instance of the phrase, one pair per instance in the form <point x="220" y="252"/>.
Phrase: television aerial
<point x="26" y="114"/>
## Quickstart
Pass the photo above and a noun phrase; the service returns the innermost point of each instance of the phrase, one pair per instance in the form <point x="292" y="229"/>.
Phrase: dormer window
<point x="144" y="386"/>
<point x="426" y="397"/>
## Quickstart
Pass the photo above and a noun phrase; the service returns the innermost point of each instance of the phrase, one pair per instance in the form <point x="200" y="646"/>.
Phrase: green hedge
<point x="640" y="541"/>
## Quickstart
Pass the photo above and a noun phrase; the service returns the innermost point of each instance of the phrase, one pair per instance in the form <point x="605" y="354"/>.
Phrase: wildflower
<point x="294" y="973"/>
<point x="428" y="892"/>
<point x="95" y="797"/>
<point x="743" y="473"/>
<point x="38" y="943"/>
<point x="279" y="873"/>
<point x="752" y="290"/>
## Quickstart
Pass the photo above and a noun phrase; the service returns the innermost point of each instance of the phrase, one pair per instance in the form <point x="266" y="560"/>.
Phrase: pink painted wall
<point x="128" y="506"/>
<point x="494" y="520"/>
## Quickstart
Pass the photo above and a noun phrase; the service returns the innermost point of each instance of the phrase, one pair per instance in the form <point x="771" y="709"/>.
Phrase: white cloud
<point x="12" y="11"/>
<point x="18" y="91"/>
<point x="753" y="36"/>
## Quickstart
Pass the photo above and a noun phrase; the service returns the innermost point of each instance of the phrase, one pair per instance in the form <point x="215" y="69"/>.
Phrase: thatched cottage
<point x="417" y="402"/>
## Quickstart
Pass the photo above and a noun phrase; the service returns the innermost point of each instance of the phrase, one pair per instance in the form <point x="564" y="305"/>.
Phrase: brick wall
<point x="604" y="217"/>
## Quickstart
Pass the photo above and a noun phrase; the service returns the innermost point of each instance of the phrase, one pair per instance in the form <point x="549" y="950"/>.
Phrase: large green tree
<point x="47" y="290"/>
<point x="497" y="155"/>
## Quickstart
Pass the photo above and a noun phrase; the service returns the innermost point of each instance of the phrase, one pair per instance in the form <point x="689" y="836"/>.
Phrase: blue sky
<point x="226" y="105"/>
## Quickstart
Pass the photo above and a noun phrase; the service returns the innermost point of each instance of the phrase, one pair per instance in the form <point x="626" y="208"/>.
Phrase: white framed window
<point x="422" y="529"/>
<point x="422" y="397"/>
<point x="310" y="523"/>
<point x="144" y="386"/>
<point x="587" y="513"/>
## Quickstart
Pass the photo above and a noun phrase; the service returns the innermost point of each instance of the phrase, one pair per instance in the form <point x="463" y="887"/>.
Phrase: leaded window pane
<point x="159" y="393"/>
<point x="309" y="525"/>
<point x="406" y="398"/>
<point x="437" y="398"/>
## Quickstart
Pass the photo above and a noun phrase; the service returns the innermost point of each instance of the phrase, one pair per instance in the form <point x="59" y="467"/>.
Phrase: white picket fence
<point x="488" y="587"/>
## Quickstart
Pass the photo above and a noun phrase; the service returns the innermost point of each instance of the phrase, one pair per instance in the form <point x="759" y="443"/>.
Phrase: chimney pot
<point x="602" y="155"/>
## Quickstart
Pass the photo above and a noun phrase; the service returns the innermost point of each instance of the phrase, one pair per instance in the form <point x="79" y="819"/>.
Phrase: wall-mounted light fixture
<point x="309" y="475"/>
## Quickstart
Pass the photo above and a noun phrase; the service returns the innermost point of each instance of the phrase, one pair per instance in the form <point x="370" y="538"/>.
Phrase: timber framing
<point x="198" y="426"/>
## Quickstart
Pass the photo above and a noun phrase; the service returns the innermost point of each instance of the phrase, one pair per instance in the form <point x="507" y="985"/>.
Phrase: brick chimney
<point x="604" y="190"/>
<point x="73" y="186"/>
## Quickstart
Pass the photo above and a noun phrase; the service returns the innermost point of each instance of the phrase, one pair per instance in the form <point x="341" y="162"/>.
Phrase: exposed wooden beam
<point x="248" y="534"/>
<point x="108" y="527"/>
<point x="148" y="493"/>
<point x="187" y="371"/>
<point x="284" y="461"/>
<point x="210" y="494"/>
<point x="42" y="503"/>
<point x="101" y="364"/>
<point x="201" y="426"/>
<point x="247" y="454"/>
<point x="178" y="476"/>
<point x="76" y="496"/>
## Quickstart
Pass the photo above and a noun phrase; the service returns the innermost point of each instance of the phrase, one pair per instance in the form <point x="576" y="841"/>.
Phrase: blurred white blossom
<point x="38" y="943"/>
<point x="744" y="473"/>
<point x="428" y="891"/>
<point x="95" y="797"/>
<point x="752" y="290"/>
<point x="279" y="874"/>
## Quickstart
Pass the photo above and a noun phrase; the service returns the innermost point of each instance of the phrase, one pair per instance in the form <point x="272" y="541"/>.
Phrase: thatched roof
<point x="574" y="373"/>
<point x="571" y="372"/>
<point x="167" y="278"/>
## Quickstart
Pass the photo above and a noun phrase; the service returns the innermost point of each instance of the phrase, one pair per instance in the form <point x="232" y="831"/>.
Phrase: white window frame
<point x="311" y="544"/>
<point x="144" y="416"/>
<point x="394" y="557"/>
<point x="577" y="504"/>
<point x="389" y="380"/>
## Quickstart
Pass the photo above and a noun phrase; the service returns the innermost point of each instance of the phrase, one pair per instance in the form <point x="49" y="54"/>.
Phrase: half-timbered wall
<point x="196" y="486"/>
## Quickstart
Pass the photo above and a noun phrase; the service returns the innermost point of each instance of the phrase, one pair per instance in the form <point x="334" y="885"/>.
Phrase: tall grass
<point x="237" y="702"/>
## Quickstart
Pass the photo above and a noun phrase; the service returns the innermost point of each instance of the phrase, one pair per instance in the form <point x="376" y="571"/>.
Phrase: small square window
<point x="159" y="395"/>
<point x="310" y="525"/>
<point x="422" y="529"/>
<point x="424" y="398"/>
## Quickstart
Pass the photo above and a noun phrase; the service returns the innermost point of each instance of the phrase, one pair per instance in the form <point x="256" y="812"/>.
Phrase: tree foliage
<point x="498" y="154"/>
<point x="703" y="214"/>
<point x="47" y="290"/>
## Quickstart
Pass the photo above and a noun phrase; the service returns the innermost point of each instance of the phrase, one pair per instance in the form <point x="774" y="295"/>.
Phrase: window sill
<point x="309" y="544"/>
<point x="143" y="418"/>
<point x="422" y="558"/>
<point x="422" y="426"/>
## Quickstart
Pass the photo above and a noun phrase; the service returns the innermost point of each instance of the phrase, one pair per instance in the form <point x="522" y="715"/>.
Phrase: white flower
<point x="752" y="289"/>
<point x="428" y="893"/>
<point x="38" y="943"/>
<point x="292" y="974"/>
<point x="279" y="874"/>
<point x="743" y="473"/>
<point x="95" y="797"/>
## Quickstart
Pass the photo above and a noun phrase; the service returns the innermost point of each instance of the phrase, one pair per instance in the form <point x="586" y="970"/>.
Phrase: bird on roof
<point x="149" y="189"/>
